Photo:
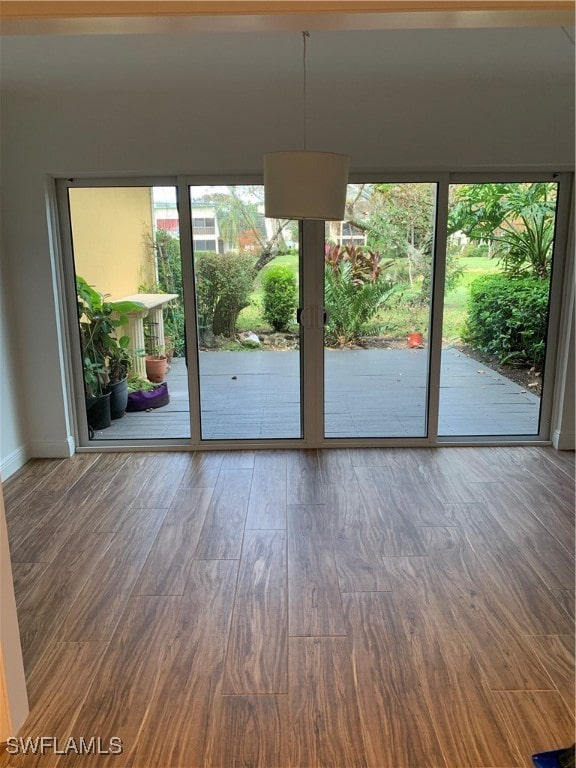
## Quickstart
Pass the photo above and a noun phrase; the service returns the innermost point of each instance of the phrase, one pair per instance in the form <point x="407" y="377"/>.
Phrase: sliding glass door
<point x="499" y="264"/>
<point x="130" y="312"/>
<point x="377" y="293"/>
<point x="429" y="314"/>
<point x="246" y="281"/>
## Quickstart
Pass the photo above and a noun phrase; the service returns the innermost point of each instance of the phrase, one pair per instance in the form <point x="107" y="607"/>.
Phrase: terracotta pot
<point x="156" y="368"/>
<point x="415" y="340"/>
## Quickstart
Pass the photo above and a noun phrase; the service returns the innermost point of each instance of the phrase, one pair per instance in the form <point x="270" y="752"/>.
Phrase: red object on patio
<point x="415" y="340"/>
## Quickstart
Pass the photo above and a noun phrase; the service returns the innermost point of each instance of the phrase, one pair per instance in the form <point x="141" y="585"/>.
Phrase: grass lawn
<point x="401" y="316"/>
<point x="455" y="300"/>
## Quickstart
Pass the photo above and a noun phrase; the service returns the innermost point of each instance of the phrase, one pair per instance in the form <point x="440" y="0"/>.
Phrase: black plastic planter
<point x="118" y="398"/>
<point x="98" y="412"/>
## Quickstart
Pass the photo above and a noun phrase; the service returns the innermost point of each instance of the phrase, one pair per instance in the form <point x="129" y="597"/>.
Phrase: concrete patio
<point x="369" y="393"/>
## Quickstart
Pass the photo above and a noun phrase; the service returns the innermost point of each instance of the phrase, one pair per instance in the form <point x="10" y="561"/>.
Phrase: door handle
<point x="303" y="316"/>
<point x="303" y="319"/>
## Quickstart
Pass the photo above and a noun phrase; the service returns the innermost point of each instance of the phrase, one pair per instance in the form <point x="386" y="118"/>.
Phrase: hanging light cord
<point x="304" y="88"/>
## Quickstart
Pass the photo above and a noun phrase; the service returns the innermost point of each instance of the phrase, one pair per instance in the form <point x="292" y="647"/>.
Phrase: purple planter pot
<point x="155" y="398"/>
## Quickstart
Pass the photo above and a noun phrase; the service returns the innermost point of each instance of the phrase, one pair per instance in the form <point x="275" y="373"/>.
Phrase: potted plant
<point x="144" y="395"/>
<point x="103" y="354"/>
<point x="97" y="400"/>
<point x="119" y="363"/>
<point x="416" y="337"/>
<point x="157" y="365"/>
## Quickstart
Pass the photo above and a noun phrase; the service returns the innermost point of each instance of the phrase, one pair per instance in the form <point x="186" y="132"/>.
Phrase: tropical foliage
<point x="355" y="290"/>
<point x="517" y="220"/>
<point x="398" y="221"/>
<point x="105" y="356"/>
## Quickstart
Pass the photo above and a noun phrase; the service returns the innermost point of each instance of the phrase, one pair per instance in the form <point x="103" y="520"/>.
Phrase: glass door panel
<point x="377" y="285"/>
<point x="126" y="252"/>
<point x="246" y="276"/>
<point x="496" y="306"/>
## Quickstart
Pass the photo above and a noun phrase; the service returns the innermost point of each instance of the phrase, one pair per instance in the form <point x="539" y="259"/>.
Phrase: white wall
<point x="424" y="111"/>
<point x="13" y="439"/>
<point x="35" y="395"/>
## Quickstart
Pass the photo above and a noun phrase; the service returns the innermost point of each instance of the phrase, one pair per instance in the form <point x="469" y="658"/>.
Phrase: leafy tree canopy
<point x="517" y="219"/>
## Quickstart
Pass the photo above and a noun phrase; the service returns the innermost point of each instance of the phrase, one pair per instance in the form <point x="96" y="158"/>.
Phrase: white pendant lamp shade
<point x="305" y="185"/>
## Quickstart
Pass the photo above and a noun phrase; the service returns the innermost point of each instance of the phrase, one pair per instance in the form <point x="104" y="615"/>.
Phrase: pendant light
<point x="303" y="184"/>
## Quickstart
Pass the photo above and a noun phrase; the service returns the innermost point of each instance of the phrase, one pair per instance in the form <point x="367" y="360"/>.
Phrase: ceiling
<point x="431" y="90"/>
<point x="161" y="62"/>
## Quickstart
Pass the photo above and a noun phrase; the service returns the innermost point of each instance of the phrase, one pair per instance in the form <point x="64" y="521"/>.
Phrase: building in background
<point x="205" y="233"/>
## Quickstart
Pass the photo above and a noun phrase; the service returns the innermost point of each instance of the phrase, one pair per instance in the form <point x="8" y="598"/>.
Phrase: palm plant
<point x="355" y="290"/>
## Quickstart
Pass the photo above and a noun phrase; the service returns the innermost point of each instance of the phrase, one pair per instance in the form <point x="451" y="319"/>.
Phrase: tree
<point x="409" y="212"/>
<point x="397" y="218"/>
<point x="516" y="219"/>
<point x="235" y="216"/>
<point x="240" y="222"/>
<point x="400" y="224"/>
<point x="224" y="283"/>
<point x="405" y="219"/>
<point x="243" y="229"/>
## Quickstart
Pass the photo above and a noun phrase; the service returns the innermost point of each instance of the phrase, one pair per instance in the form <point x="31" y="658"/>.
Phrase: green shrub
<point x="280" y="296"/>
<point x="174" y="328"/>
<point x="224" y="282"/>
<point x="508" y="318"/>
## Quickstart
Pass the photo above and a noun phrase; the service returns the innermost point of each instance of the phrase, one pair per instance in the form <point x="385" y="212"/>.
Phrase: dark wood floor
<point x="392" y="608"/>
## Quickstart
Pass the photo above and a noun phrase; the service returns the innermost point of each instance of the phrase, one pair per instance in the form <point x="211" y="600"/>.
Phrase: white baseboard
<point x="13" y="462"/>
<point x="61" y="449"/>
<point x="564" y="441"/>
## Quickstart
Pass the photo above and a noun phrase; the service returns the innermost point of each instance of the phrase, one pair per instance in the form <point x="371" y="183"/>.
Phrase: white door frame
<point x="13" y="694"/>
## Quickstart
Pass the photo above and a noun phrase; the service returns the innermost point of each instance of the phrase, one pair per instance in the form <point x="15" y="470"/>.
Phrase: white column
<point x="136" y="333"/>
